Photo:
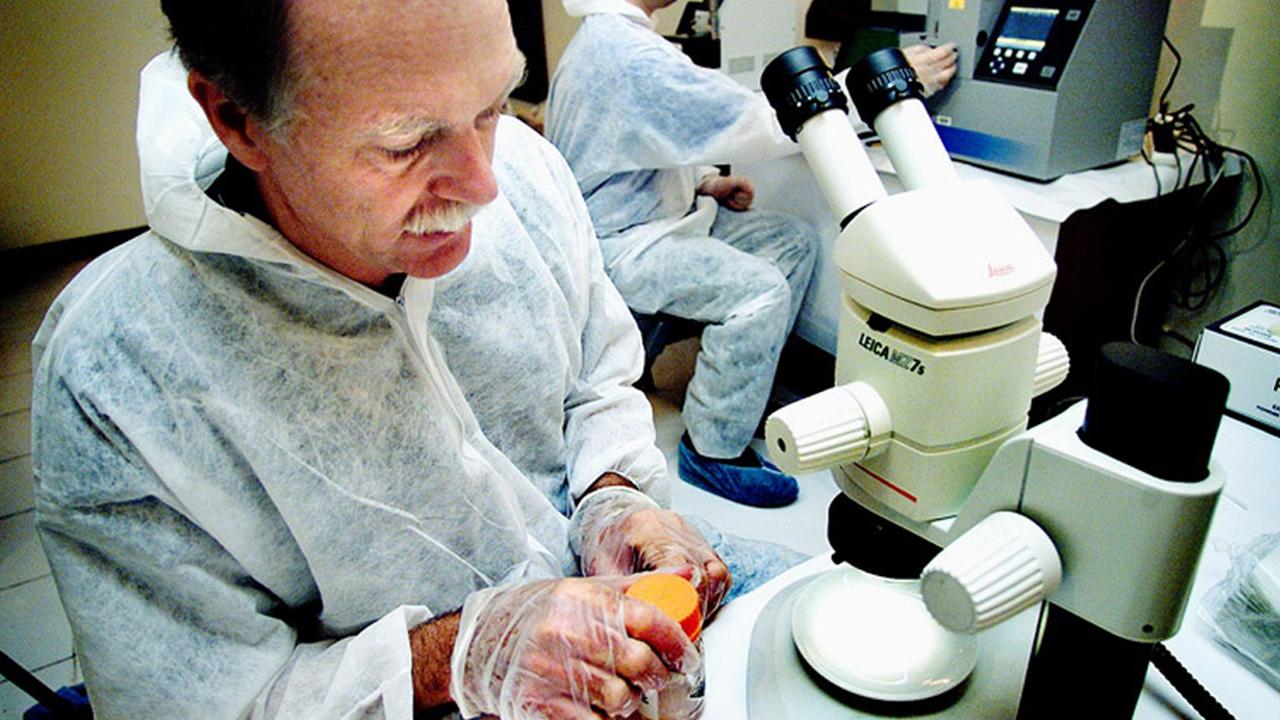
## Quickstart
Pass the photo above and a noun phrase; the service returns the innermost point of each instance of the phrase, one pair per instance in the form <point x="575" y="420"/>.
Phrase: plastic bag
<point x="1244" y="609"/>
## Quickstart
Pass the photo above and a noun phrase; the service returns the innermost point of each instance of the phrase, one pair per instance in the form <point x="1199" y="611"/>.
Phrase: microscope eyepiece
<point x="881" y="79"/>
<point x="799" y="85"/>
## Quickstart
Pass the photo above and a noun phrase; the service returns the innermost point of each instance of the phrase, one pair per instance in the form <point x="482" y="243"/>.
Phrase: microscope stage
<point x="874" y="637"/>
<point x="782" y="685"/>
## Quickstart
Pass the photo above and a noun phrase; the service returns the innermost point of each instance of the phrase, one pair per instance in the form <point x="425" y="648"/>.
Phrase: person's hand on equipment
<point x="934" y="65"/>
<point x="572" y="649"/>
<point x="620" y="531"/>
<point x="732" y="191"/>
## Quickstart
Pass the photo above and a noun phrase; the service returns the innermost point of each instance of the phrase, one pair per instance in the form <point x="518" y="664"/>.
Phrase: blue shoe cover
<point x="764" y="460"/>
<point x="759" y="486"/>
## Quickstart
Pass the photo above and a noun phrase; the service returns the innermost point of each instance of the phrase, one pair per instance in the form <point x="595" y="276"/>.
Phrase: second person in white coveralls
<point x="642" y="128"/>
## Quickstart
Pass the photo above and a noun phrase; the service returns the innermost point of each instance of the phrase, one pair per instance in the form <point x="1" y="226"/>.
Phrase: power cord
<point x="1188" y="251"/>
<point x="1186" y="685"/>
<point x="1197" y="264"/>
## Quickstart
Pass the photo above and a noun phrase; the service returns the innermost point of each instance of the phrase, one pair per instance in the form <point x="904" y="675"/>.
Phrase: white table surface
<point x="1249" y="507"/>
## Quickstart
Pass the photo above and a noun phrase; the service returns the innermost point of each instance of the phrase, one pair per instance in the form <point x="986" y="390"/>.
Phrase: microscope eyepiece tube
<point x="813" y="110"/>
<point x="889" y="96"/>
<point x="881" y="79"/>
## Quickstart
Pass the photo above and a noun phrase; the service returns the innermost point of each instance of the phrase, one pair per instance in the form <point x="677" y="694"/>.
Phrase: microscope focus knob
<point x="1000" y="567"/>
<point x="1052" y="365"/>
<point x="843" y="424"/>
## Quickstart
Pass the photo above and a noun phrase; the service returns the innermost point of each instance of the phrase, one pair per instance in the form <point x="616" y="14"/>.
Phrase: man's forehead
<point x="439" y="12"/>
<point x="416" y="124"/>
<point x="343" y="31"/>
<point x="394" y="54"/>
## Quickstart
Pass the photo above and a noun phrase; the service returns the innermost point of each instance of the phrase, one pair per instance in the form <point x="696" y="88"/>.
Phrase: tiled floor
<point x="33" y="628"/>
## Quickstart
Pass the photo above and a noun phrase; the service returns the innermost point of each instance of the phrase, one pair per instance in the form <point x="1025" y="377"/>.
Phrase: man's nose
<point x="464" y="171"/>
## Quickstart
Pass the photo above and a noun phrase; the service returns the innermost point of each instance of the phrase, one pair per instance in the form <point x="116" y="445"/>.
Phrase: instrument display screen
<point x="1027" y="28"/>
<point x="1033" y="41"/>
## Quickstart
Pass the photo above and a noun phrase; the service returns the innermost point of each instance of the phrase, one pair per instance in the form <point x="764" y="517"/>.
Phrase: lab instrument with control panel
<point x="1101" y="511"/>
<point x="1046" y="87"/>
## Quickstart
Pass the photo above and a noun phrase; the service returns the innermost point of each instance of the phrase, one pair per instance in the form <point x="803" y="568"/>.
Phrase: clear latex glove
<point x="934" y="65"/>
<point x="620" y="531"/>
<point x="568" y="648"/>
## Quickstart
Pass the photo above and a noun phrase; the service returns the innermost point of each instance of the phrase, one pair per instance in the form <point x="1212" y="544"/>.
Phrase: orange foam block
<point x="674" y="596"/>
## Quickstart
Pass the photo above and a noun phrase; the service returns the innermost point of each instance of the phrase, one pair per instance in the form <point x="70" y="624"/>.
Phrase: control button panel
<point x="1032" y="42"/>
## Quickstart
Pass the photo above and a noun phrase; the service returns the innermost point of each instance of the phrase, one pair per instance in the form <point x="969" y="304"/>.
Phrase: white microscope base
<point x="780" y="686"/>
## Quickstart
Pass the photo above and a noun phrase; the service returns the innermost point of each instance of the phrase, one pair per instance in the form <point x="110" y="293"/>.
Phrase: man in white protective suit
<point x="331" y="438"/>
<point x="643" y="128"/>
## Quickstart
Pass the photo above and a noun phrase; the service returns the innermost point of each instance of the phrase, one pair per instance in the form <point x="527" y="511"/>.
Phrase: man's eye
<point x="404" y="153"/>
<point x="488" y="117"/>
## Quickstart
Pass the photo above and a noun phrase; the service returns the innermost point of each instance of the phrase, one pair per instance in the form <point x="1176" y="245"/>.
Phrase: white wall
<point x="68" y="99"/>
<point x="559" y="28"/>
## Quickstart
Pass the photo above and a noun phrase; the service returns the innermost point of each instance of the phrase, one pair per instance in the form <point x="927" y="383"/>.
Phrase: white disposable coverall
<point x="641" y="125"/>
<point x="254" y="475"/>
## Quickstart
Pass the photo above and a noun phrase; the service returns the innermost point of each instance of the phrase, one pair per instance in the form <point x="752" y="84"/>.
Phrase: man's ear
<point x="237" y="131"/>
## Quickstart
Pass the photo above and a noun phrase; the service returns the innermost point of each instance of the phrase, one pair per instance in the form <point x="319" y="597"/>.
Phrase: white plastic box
<point x="1245" y="346"/>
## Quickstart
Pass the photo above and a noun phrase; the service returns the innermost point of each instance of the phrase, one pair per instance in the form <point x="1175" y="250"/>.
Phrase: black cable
<point x="1186" y="685"/>
<point x="1197" y="264"/>
<point x="1177" y="64"/>
<point x="41" y="693"/>
<point x="1200" y="269"/>
<point x="1192" y="137"/>
<point x="1155" y="172"/>
<point x="1257" y="194"/>
<point x="1191" y="170"/>
<point x="1187" y="241"/>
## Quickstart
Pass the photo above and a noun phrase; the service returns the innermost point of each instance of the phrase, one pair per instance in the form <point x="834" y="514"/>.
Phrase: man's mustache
<point x="444" y="219"/>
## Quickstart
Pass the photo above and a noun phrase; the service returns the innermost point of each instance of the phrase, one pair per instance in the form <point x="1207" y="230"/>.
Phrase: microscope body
<point x="941" y="286"/>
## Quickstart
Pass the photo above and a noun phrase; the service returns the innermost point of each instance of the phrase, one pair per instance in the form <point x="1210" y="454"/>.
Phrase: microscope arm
<point x="1107" y="520"/>
<point x="1128" y="525"/>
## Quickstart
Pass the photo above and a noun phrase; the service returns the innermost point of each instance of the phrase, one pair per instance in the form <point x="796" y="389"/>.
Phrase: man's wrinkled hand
<point x="623" y="534"/>
<point x="564" y="649"/>
<point x="734" y="191"/>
